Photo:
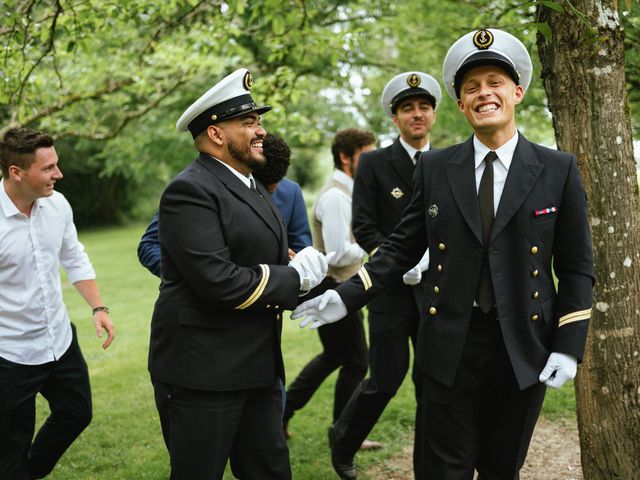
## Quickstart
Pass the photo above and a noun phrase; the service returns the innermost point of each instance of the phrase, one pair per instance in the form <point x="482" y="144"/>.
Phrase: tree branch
<point x="73" y="99"/>
<point x="125" y="120"/>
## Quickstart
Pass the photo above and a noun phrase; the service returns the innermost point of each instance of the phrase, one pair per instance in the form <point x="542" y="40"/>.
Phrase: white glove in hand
<point x="327" y="308"/>
<point x="413" y="276"/>
<point x="560" y="367"/>
<point x="312" y="267"/>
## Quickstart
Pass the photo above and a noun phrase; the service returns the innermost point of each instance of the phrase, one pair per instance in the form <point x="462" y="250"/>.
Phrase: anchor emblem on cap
<point x="483" y="39"/>
<point x="433" y="210"/>
<point x="247" y="81"/>
<point x="397" y="193"/>
<point x="414" y="80"/>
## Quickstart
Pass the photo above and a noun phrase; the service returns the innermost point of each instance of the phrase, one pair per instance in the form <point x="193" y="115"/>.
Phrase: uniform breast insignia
<point x="397" y="193"/>
<point x="433" y="210"/>
<point x="545" y="211"/>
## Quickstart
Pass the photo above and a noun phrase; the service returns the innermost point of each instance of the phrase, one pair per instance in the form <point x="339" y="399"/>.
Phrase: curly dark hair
<point x="348" y="141"/>
<point x="278" y="156"/>
<point x="18" y="146"/>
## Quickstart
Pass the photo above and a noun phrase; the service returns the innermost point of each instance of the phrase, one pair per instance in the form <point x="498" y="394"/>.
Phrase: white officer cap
<point x="229" y="98"/>
<point x="410" y="84"/>
<point x="486" y="47"/>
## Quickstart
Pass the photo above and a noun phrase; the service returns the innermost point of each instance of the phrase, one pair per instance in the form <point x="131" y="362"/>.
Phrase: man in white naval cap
<point x="495" y="211"/>
<point x="214" y="355"/>
<point x="382" y="190"/>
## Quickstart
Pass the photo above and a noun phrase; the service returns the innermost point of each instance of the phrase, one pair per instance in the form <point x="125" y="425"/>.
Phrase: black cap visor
<point x="232" y="108"/>
<point x="482" y="59"/>
<point x="412" y="92"/>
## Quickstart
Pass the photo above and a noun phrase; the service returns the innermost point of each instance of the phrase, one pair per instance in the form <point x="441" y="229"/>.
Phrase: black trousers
<point x="389" y="355"/>
<point x="65" y="385"/>
<point x="344" y="346"/>
<point x="484" y="422"/>
<point x="203" y="429"/>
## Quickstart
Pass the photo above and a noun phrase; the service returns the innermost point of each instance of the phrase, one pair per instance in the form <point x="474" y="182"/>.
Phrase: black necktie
<point x="416" y="157"/>
<point x="485" y="295"/>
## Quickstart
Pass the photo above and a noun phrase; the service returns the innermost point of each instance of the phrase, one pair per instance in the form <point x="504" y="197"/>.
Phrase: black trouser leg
<point x="65" y="385"/>
<point x="389" y="362"/>
<point x="343" y="346"/>
<point x="484" y="421"/>
<point x="68" y="392"/>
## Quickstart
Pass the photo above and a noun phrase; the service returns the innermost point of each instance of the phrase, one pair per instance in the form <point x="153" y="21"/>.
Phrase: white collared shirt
<point x="245" y="179"/>
<point x="412" y="151"/>
<point x="334" y="211"/>
<point x="500" y="166"/>
<point x="34" y="323"/>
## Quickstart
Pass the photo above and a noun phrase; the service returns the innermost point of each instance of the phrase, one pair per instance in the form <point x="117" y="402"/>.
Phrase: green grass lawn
<point x="124" y="441"/>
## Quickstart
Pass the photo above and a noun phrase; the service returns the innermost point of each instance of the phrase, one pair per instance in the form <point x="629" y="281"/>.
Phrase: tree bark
<point x="583" y="73"/>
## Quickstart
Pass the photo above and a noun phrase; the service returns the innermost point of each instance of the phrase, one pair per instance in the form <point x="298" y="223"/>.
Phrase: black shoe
<point x="344" y="467"/>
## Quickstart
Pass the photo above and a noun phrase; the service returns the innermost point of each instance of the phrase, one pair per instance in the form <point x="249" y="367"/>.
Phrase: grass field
<point x="124" y="441"/>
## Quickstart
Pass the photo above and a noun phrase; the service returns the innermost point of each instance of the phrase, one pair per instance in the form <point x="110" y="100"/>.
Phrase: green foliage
<point x="110" y="79"/>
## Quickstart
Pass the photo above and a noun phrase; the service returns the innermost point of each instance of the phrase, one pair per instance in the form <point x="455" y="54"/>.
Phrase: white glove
<point x="327" y="308"/>
<point x="312" y="267"/>
<point x="560" y="367"/>
<point x="413" y="276"/>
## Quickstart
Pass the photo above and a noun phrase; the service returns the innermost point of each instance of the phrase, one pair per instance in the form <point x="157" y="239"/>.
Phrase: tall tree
<point x="583" y="71"/>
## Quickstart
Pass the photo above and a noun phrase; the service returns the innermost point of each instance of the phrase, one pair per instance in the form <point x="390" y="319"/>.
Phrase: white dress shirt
<point x="500" y="166"/>
<point x="412" y="150"/>
<point x="34" y="323"/>
<point x="334" y="211"/>
<point x="243" y="178"/>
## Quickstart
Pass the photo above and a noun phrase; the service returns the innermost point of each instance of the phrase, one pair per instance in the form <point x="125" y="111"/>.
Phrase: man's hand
<point x="560" y="367"/>
<point x="413" y="276"/>
<point x="327" y="308"/>
<point x="312" y="267"/>
<point x="102" y="322"/>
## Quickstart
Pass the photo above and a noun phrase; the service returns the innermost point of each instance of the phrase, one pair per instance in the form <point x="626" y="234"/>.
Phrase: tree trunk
<point x="583" y="72"/>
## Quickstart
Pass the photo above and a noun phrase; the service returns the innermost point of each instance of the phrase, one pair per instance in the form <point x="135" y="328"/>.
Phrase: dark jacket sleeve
<point x="149" y="248"/>
<point x="397" y="254"/>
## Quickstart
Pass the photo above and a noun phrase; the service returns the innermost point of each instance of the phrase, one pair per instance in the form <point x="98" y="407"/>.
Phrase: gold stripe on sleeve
<point x="366" y="280"/>
<point x="574" y="317"/>
<point x="259" y="289"/>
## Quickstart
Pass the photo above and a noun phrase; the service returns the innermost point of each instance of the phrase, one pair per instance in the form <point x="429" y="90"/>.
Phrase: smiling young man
<point x="382" y="189"/>
<point x="497" y="213"/>
<point x="39" y="351"/>
<point x="214" y="356"/>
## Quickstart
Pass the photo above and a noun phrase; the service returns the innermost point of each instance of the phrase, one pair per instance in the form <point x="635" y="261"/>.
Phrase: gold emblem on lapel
<point x="433" y="210"/>
<point x="397" y="193"/>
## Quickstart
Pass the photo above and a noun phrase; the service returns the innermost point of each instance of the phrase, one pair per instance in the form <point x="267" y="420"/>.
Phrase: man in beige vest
<point x="344" y="344"/>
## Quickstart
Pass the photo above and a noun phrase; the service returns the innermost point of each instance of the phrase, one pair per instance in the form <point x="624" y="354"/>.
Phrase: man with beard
<point x="382" y="190"/>
<point x="214" y="357"/>
<point x="504" y="219"/>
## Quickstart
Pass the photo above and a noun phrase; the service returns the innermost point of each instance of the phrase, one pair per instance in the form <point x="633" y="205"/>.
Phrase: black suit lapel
<point x="402" y="163"/>
<point x="244" y="194"/>
<point x="523" y="173"/>
<point x="462" y="181"/>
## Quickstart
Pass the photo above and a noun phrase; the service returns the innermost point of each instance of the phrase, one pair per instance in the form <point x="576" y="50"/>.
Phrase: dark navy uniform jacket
<point x="218" y="318"/>
<point x="382" y="189"/>
<point x="541" y="228"/>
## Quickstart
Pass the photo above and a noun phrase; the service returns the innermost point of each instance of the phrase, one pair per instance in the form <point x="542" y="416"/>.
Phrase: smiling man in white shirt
<point x="39" y="351"/>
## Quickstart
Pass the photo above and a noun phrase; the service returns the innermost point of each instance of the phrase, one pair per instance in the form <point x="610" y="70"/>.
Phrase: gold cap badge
<point x="414" y="80"/>
<point x="247" y="81"/>
<point x="483" y="39"/>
